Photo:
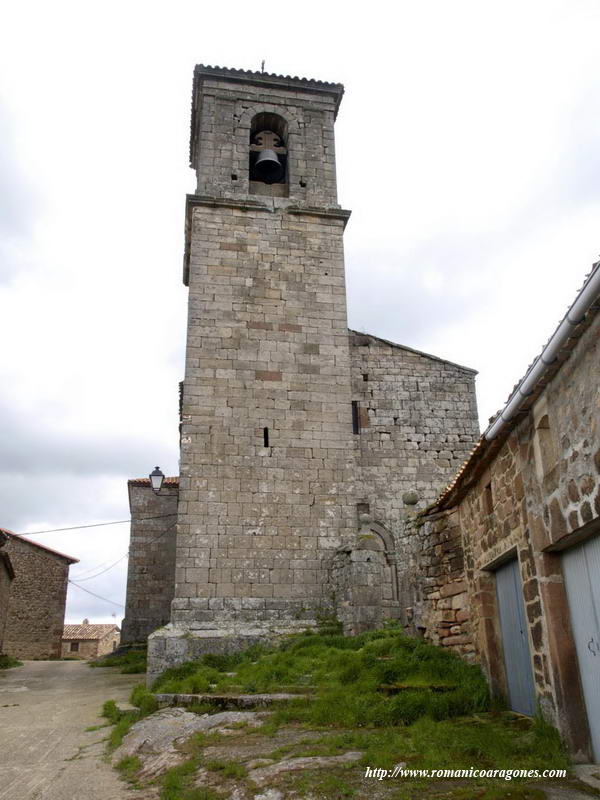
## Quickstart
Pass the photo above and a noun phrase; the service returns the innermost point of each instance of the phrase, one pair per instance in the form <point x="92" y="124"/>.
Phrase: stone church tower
<point x="303" y="446"/>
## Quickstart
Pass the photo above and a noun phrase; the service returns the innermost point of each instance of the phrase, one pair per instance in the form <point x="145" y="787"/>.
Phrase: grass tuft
<point x="8" y="662"/>
<point x="177" y="784"/>
<point x="129" y="768"/>
<point x="132" y="662"/>
<point x="229" y="769"/>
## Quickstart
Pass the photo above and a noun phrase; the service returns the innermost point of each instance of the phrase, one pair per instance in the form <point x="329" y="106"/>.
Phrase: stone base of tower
<point x="173" y="645"/>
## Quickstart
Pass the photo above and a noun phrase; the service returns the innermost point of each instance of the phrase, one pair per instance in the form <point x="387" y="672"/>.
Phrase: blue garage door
<point x="581" y="569"/>
<point x="515" y="642"/>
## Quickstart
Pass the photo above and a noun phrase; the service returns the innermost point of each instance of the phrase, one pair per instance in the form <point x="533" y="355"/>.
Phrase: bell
<point x="267" y="167"/>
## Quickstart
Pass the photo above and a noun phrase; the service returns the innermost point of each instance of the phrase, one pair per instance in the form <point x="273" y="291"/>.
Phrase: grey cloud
<point x="64" y="500"/>
<point x="18" y="202"/>
<point x="387" y="297"/>
<point x="34" y="447"/>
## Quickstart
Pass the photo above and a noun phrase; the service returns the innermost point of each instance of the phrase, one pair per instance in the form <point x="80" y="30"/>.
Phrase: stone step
<point x="227" y="701"/>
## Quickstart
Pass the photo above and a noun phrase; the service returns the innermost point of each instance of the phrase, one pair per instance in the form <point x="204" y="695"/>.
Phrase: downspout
<point x="584" y="300"/>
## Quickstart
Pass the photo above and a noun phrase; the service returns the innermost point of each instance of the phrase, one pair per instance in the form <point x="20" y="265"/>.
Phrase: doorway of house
<point x="515" y="641"/>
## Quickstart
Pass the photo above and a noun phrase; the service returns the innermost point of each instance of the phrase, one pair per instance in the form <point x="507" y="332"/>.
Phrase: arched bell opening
<point x="267" y="157"/>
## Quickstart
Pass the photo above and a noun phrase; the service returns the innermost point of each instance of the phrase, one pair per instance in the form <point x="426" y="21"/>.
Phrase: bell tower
<point x="267" y="445"/>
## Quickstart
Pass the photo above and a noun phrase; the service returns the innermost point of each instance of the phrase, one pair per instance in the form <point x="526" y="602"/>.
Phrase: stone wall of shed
<point x="88" y="649"/>
<point x="38" y="596"/>
<point x="433" y="575"/>
<point x="151" y="568"/>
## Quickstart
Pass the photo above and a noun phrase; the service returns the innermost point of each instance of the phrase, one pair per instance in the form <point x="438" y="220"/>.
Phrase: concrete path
<point x="45" y="751"/>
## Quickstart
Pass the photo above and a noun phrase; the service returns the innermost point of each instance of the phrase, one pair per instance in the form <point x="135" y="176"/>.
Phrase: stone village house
<point x="36" y="600"/>
<point x="522" y="518"/>
<point x="308" y="451"/>
<point x="89" y="640"/>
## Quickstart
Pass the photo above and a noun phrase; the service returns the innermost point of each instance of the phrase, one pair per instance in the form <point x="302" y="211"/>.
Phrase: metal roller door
<point x="581" y="569"/>
<point x="515" y="641"/>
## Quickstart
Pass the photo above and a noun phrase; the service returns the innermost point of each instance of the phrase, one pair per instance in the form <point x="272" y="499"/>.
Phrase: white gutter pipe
<point x="584" y="300"/>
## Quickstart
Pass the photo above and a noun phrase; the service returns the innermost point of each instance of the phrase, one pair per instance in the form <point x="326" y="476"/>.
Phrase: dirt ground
<point x="45" y="751"/>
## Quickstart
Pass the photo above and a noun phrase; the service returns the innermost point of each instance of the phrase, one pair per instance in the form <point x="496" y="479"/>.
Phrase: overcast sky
<point x="468" y="151"/>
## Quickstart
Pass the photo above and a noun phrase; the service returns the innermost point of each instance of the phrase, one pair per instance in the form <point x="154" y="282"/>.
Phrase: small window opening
<point x="303" y="183"/>
<point x="233" y="176"/>
<point x="265" y="437"/>
<point x="488" y="499"/>
<point x="365" y="376"/>
<point x="74" y="647"/>
<point x="355" y="417"/>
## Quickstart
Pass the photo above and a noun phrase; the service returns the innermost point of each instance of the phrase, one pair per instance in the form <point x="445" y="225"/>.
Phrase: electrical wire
<point x="91" y="577"/>
<point x="99" y="597"/>
<point x="95" y="525"/>
<point x="118" y="561"/>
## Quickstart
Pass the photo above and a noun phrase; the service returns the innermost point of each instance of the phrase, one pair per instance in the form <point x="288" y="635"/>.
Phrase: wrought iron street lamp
<point x="156" y="479"/>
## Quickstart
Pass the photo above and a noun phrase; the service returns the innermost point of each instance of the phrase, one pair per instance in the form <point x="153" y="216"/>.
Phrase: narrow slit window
<point x="488" y="499"/>
<point x="265" y="437"/>
<point x="355" y="417"/>
<point x="365" y="376"/>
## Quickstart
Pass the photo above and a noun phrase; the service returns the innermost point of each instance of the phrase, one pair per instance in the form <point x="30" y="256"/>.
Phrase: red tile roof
<point x="173" y="481"/>
<point x="88" y="631"/>
<point x="485" y="450"/>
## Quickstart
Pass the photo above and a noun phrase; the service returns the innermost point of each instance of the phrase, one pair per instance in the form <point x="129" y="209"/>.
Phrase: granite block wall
<point x="151" y="567"/>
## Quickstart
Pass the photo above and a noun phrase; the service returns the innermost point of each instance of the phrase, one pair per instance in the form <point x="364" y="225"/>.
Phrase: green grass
<point x="229" y="769"/>
<point x="132" y="662"/>
<point x="177" y="784"/>
<point x="8" y="662"/>
<point x="392" y="697"/>
<point x="129" y="768"/>
<point x="381" y="678"/>
<point x="144" y="700"/>
<point x="123" y="720"/>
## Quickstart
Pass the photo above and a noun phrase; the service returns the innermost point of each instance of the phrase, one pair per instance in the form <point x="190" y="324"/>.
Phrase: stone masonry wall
<point x="418" y="422"/>
<point x="434" y="572"/>
<point x="267" y="349"/>
<point x="37" y="601"/>
<point x="221" y="137"/>
<point x="151" y="568"/>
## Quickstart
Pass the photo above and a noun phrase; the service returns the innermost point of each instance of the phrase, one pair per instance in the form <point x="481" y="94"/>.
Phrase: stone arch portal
<point x="365" y="579"/>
